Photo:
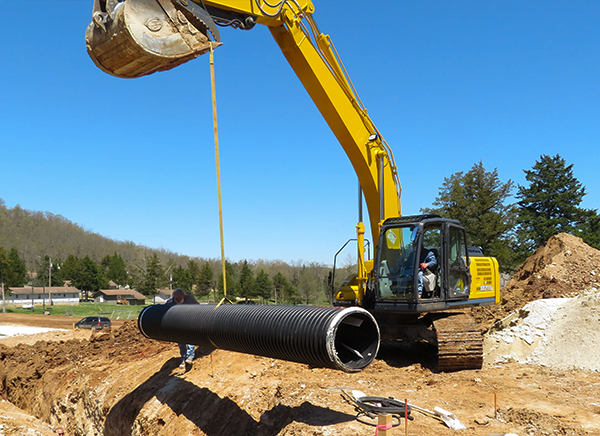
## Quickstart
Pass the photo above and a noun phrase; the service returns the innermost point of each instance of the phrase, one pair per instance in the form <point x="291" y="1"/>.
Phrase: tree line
<point x="57" y="250"/>
<point x="44" y="249"/>
<point x="276" y="282"/>
<point x="37" y="257"/>
<point x="512" y="230"/>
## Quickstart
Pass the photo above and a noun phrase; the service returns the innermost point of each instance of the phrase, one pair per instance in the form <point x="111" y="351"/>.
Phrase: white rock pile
<point x="562" y="333"/>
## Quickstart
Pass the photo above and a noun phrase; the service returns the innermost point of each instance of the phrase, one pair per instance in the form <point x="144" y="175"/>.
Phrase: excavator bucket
<point x="134" y="38"/>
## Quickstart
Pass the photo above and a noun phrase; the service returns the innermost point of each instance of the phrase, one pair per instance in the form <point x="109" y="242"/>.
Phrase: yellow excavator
<point x="423" y="272"/>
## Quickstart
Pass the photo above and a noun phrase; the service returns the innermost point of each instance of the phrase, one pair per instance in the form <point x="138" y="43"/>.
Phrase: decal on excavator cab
<point x="393" y="238"/>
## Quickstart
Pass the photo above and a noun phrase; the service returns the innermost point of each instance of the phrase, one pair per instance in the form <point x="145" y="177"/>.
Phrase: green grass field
<point x="88" y="309"/>
<point x="81" y="310"/>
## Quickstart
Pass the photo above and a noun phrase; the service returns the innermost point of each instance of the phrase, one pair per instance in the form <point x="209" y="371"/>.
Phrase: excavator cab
<point x="408" y="243"/>
<point x="398" y="284"/>
<point x="134" y="38"/>
<point x="409" y="309"/>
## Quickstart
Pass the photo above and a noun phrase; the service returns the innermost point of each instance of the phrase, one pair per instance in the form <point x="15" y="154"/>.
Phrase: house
<point x="120" y="296"/>
<point x="42" y="295"/>
<point x="163" y="295"/>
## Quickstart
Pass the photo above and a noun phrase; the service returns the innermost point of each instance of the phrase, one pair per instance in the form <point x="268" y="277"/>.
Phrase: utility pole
<point x="2" y="279"/>
<point x="50" y="281"/>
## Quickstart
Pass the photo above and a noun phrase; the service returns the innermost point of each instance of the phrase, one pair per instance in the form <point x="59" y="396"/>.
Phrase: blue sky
<point x="447" y="83"/>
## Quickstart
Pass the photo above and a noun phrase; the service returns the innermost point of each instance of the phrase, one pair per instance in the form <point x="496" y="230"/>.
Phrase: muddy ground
<point x="120" y="383"/>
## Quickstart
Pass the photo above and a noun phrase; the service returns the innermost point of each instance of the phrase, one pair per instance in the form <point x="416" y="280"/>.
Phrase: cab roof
<point x="409" y="219"/>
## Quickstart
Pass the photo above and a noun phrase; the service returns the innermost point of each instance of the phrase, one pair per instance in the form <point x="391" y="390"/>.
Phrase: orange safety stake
<point x="495" y="406"/>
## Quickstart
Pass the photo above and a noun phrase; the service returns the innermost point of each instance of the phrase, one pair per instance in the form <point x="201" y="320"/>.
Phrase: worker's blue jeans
<point x="187" y="351"/>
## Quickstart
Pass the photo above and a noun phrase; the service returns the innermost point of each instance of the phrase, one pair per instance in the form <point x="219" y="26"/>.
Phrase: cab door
<point x="459" y="278"/>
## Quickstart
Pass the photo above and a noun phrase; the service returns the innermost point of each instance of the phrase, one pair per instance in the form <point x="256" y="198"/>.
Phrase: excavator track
<point x="460" y="342"/>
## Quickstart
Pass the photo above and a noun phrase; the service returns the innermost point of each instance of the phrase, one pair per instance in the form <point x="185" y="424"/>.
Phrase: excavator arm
<point x="133" y="38"/>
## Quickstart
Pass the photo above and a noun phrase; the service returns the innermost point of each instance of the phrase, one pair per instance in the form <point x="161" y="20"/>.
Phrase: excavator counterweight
<point x="135" y="38"/>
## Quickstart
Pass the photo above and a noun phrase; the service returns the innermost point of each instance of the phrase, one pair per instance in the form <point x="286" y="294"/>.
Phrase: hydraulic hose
<point x="383" y="406"/>
<point x="345" y="339"/>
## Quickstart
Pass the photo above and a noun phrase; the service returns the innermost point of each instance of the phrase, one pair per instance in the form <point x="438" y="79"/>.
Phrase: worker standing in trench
<point x="188" y="351"/>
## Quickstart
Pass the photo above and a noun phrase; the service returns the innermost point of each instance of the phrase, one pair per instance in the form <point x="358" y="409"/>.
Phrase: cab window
<point x="459" y="279"/>
<point x="397" y="262"/>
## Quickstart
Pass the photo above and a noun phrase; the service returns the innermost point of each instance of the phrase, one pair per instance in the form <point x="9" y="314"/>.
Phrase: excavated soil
<point x="120" y="383"/>
<point x="564" y="267"/>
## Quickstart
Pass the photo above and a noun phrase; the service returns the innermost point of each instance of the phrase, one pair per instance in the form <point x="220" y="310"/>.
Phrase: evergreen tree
<point x="105" y="262"/>
<point x="194" y="272"/>
<point x="182" y="279"/>
<point x="4" y="267"/>
<point x="477" y="199"/>
<point x="153" y="276"/>
<point x="550" y="204"/>
<point x="69" y="268"/>
<point x="117" y="270"/>
<point x="114" y="269"/>
<point x="284" y="290"/>
<point x="47" y="273"/>
<point x="204" y="282"/>
<point x="263" y="285"/>
<point x="87" y="277"/>
<point x="246" y="288"/>
<point x="589" y="229"/>
<point x="16" y="275"/>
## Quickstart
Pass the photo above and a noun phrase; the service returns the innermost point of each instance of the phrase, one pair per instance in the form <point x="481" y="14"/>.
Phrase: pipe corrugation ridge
<point x="346" y="339"/>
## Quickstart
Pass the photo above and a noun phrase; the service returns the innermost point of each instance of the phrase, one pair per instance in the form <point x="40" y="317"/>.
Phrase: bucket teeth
<point x="141" y="37"/>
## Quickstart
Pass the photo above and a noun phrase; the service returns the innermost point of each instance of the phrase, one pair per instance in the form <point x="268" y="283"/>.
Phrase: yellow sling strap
<point x="216" y="130"/>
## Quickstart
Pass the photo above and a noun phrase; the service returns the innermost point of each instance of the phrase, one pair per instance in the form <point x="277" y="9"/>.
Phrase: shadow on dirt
<point x="212" y="414"/>
<point x="403" y="354"/>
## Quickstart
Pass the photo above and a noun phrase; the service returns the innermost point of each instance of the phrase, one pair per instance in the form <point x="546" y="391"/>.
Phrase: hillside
<point x="38" y="234"/>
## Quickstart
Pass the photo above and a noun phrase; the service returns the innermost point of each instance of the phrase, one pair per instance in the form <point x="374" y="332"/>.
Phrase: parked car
<point x="94" y="323"/>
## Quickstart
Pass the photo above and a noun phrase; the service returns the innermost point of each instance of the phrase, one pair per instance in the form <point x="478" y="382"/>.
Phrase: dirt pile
<point x="563" y="267"/>
<point x="562" y="333"/>
<point x="29" y="374"/>
<point x="573" y="338"/>
<point x="550" y="309"/>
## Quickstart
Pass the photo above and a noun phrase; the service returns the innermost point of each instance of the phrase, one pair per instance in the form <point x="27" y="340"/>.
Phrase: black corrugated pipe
<point x="346" y="339"/>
